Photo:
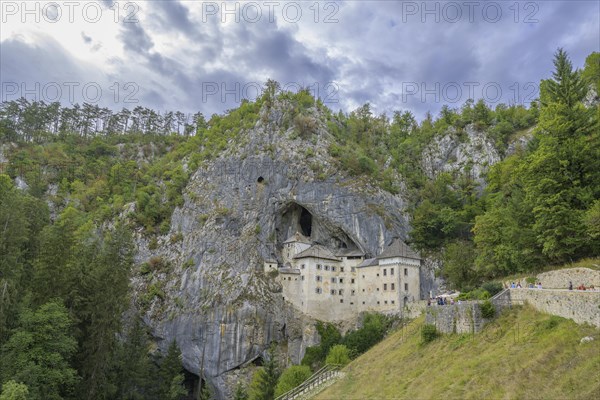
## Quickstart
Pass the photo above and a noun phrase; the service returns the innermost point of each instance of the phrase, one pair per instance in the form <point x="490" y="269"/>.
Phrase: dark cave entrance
<point x="305" y="222"/>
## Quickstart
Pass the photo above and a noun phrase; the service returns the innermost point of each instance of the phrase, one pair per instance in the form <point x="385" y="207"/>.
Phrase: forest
<point x="68" y="175"/>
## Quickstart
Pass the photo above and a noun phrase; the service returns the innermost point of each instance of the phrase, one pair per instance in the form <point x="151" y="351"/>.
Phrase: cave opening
<point x="260" y="179"/>
<point x="305" y="222"/>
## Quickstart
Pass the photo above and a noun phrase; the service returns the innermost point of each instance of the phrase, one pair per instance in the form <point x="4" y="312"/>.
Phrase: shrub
<point x="338" y="355"/>
<point x="492" y="288"/>
<point x="428" y="333"/>
<point x="292" y="377"/>
<point x="273" y="273"/>
<point x="487" y="309"/>
<point x="153" y="245"/>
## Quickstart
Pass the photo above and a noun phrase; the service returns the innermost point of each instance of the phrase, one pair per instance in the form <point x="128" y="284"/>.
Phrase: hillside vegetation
<point x="523" y="355"/>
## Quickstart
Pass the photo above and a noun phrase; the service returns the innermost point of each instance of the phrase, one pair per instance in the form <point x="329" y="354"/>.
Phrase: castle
<point x="333" y="285"/>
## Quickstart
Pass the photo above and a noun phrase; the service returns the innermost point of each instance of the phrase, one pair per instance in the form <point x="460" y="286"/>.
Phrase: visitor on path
<point x="570" y="285"/>
<point x="519" y="285"/>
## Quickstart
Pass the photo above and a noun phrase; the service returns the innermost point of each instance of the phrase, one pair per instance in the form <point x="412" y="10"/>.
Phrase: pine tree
<point x="567" y="86"/>
<point x="170" y="373"/>
<point x="265" y="380"/>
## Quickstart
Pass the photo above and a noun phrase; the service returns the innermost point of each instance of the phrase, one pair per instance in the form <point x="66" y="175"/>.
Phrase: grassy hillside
<point x="523" y="355"/>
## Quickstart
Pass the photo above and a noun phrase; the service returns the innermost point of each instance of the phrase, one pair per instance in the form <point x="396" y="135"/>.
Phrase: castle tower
<point x="295" y="244"/>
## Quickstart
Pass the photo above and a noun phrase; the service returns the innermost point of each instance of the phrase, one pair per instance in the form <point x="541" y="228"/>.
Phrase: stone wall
<point x="559" y="279"/>
<point x="456" y="318"/>
<point x="580" y="306"/>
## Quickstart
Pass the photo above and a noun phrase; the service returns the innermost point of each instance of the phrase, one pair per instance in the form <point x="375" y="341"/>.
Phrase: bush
<point x="492" y="288"/>
<point x="487" y="309"/>
<point x="338" y="355"/>
<point x="428" y="333"/>
<point x="292" y="377"/>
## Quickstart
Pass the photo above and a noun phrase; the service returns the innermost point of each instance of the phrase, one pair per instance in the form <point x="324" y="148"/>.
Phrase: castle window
<point x="319" y="279"/>
<point x="333" y="292"/>
<point x="385" y="302"/>
<point x="363" y="277"/>
<point x="353" y="292"/>
<point x="378" y="289"/>
<point x="405" y="271"/>
<point x="341" y="269"/>
<point x="318" y="290"/>
<point x="363" y="302"/>
<point x="333" y="280"/>
<point x="391" y="271"/>
<point x="319" y="266"/>
<point x="333" y="268"/>
<point x="384" y="272"/>
<point x="377" y="274"/>
<point x="341" y="280"/>
<point x="406" y="286"/>
<point x="327" y="268"/>
<point x="302" y="277"/>
<point x="341" y="292"/>
<point x="363" y="290"/>
<point x="352" y="280"/>
<point x="378" y="303"/>
<point x="341" y="300"/>
<point x="302" y="266"/>
<point x="393" y="302"/>
<point x="385" y="286"/>
<point x="393" y="286"/>
<point x="351" y="303"/>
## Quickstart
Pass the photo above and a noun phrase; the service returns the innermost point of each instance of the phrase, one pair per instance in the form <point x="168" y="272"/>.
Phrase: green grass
<point x="524" y="354"/>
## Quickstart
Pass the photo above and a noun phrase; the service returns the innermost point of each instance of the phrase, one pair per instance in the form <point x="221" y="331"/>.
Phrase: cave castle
<point x="338" y="284"/>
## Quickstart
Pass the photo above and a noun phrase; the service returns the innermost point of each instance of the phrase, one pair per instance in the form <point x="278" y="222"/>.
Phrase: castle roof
<point x="350" y="253"/>
<point x="317" y="251"/>
<point x="369" y="262"/>
<point x="297" y="237"/>
<point x="399" y="249"/>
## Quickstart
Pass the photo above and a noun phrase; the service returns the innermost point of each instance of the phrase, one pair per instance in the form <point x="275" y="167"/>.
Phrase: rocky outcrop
<point x="469" y="150"/>
<point x="207" y="290"/>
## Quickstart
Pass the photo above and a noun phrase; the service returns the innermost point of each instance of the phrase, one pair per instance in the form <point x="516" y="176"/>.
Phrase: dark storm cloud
<point x="372" y="53"/>
<point x="135" y="38"/>
<point x="174" y="15"/>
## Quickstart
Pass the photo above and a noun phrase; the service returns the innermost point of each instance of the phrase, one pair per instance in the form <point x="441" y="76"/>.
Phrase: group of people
<point x="512" y="285"/>
<point x="442" y="301"/>
<point x="582" y="287"/>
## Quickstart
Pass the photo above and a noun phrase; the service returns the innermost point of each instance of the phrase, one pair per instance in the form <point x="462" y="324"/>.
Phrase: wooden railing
<point x="317" y="379"/>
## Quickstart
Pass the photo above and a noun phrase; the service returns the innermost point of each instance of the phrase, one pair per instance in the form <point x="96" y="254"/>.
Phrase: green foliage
<point x="591" y="71"/>
<point x="240" y="392"/>
<point x="265" y="379"/>
<point x="330" y="336"/>
<point x="487" y="309"/>
<point x="338" y="355"/>
<point x="292" y="377"/>
<point x="492" y="288"/>
<point x="428" y="333"/>
<point x="12" y="390"/>
<point x="39" y="352"/>
<point x="170" y="375"/>
<point x="373" y="330"/>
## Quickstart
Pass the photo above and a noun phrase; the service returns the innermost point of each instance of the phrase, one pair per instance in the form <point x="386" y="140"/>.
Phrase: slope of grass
<point x="522" y="355"/>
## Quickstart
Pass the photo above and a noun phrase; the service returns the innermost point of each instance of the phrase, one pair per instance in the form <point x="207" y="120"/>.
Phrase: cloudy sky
<point x="205" y="56"/>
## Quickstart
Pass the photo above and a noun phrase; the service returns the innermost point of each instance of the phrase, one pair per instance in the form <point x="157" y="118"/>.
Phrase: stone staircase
<point x="315" y="384"/>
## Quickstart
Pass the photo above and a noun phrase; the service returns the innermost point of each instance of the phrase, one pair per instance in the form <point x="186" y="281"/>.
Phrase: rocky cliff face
<point x="211" y="295"/>
<point x="453" y="152"/>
